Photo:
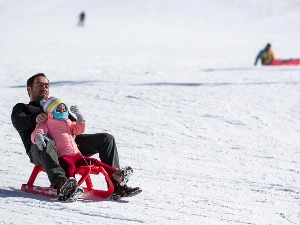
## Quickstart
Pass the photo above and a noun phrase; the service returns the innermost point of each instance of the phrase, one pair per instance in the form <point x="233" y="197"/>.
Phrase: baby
<point x="62" y="131"/>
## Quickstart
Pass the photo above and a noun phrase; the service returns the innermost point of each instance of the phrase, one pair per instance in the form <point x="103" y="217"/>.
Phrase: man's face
<point x="39" y="90"/>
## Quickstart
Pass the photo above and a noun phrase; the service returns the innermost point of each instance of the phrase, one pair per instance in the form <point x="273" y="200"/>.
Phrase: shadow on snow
<point x="217" y="84"/>
<point x="66" y="82"/>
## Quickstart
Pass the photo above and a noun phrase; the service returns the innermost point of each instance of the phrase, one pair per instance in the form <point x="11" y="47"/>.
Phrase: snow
<point x="212" y="139"/>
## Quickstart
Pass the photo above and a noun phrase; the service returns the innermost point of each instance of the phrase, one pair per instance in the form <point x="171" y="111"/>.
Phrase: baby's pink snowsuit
<point x="62" y="133"/>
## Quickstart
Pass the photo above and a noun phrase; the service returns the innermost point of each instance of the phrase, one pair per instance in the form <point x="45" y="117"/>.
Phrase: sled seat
<point x="83" y="171"/>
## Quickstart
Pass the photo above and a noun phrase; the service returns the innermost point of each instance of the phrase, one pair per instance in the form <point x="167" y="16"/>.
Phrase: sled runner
<point x="83" y="171"/>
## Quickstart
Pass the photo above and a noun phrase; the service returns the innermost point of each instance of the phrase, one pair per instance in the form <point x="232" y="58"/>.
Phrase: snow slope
<point x="212" y="139"/>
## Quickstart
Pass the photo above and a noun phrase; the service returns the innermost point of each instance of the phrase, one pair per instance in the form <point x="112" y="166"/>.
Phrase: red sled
<point x="83" y="171"/>
<point x="287" y="62"/>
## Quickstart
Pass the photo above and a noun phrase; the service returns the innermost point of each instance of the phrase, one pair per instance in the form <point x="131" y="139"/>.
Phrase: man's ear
<point x="28" y="90"/>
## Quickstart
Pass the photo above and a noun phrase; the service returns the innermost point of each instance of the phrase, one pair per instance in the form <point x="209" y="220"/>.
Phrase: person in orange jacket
<point x="266" y="56"/>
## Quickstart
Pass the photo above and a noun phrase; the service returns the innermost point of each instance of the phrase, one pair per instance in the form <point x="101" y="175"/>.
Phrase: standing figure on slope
<point x="81" y="19"/>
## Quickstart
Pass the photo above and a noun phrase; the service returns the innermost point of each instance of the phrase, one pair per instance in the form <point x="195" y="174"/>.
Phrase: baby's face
<point x="61" y="108"/>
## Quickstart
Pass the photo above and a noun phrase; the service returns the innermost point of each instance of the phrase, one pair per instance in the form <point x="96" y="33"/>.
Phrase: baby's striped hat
<point x="50" y="104"/>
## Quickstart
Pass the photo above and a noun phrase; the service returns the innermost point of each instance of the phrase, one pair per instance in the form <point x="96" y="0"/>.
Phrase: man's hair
<point x="30" y="81"/>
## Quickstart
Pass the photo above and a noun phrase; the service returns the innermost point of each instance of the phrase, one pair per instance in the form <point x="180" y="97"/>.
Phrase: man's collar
<point x="34" y="103"/>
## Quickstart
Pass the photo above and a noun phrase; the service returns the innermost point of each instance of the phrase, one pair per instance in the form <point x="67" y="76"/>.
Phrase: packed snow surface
<point x="211" y="138"/>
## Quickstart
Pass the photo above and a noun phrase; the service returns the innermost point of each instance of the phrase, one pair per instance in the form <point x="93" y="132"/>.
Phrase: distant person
<point x="266" y="56"/>
<point x="268" y="59"/>
<point x="81" y="19"/>
<point x="62" y="130"/>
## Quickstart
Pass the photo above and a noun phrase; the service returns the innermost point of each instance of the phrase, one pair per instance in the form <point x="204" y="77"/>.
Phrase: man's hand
<point x="41" y="118"/>
<point x="74" y="109"/>
<point x="40" y="141"/>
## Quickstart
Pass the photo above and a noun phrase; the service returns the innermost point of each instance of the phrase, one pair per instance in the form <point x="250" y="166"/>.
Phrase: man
<point x="266" y="55"/>
<point x="24" y="118"/>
